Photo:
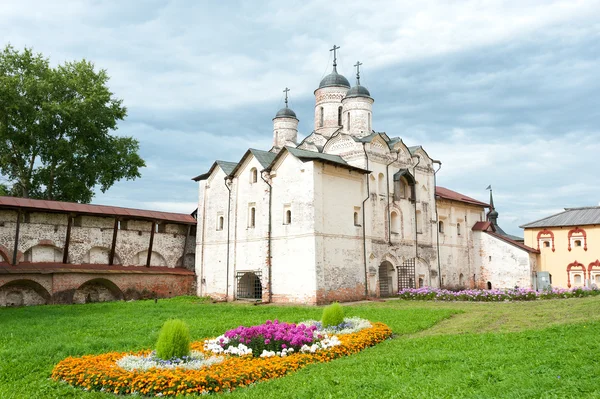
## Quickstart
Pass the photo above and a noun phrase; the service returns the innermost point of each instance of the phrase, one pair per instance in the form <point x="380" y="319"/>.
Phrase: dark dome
<point x="285" y="113"/>
<point x="493" y="214"/>
<point x="358" y="91"/>
<point x="334" y="79"/>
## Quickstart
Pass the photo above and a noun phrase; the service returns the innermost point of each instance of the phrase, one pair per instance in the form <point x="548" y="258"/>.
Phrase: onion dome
<point x="334" y="79"/>
<point x="358" y="91"/>
<point x="286" y="112"/>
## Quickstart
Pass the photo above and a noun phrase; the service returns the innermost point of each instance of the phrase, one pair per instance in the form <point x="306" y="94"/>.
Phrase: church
<point x="346" y="213"/>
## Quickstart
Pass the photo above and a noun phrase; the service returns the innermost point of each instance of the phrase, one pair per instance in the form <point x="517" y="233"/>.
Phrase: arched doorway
<point x="406" y="274"/>
<point x="386" y="279"/>
<point x="97" y="290"/>
<point x="249" y="285"/>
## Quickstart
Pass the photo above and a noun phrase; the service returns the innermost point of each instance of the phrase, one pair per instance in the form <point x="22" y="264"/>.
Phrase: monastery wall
<point x="502" y="264"/>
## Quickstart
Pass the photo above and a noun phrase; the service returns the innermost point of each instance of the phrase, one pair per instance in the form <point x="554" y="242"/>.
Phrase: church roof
<point x="307" y="156"/>
<point x="358" y="91"/>
<point x="334" y="79"/>
<point x="444" y="193"/>
<point x="286" y="112"/>
<point x="263" y="157"/>
<point x="583" y="216"/>
<point x="225" y="165"/>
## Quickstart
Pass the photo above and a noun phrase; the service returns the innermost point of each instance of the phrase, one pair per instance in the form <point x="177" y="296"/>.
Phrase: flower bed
<point x="100" y="372"/>
<point x="517" y="294"/>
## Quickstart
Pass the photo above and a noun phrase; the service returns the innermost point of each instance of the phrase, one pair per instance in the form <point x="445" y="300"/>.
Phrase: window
<point x="547" y="244"/>
<point x="122" y="225"/>
<point x="220" y="222"/>
<point x="461" y="279"/>
<point x="77" y="221"/>
<point x="252" y="217"/>
<point x="458" y="228"/>
<point x="339" y="116"/>
<point x="369" y="125"/>
<point x="348" y="119"/>
<point x="577" y="243"/>
<point x="489" y="285"/>
<point x="577" y="279"/>
<point x="441" y="227"/>
<point x="400" y="188"/>
<point x="420" y="281"/>
<point x="287" y="217"/>
<point x="253" y="175"/>
<point x="395" y="220"/>
<point x="321" y="116"/>
<point x="356" y="215"/>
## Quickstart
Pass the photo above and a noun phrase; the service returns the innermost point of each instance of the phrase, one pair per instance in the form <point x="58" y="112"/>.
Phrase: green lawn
<point x="543" y="349"/>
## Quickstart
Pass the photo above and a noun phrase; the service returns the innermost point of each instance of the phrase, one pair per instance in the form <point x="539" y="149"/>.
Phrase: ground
<point x="543" y="349"/>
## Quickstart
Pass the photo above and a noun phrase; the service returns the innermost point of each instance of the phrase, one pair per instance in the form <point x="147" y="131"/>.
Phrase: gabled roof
<point x="489" y="228"/>
<point x="264" y="158"/>
<point x="583" y="216"/>
<point x="444" y="193"/>
<point x="307" y="156"/>
<point x="226" y="166"/>
<point x="95" y="210"/>
<point x="406" y="174"/>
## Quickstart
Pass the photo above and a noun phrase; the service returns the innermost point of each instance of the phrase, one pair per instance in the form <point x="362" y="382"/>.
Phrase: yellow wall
<point x="556" y="261"/>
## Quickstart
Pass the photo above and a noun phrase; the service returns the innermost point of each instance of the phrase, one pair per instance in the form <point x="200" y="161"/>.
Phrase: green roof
<point x="225" y="165"/>
<point x="263" y="157"/>
<point x="305" y="155"/>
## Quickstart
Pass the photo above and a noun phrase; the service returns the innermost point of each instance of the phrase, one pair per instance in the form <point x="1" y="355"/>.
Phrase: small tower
<point x="328" y="104"/>
<point x="357" y="108"/>
<point x="285" y="126"/>
<point x="492" y="215"/>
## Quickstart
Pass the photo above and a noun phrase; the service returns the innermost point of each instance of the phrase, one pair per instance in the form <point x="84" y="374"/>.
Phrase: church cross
<point x="334" y="49"/>
<point x="357" y="65"/>
<point x="286" y="96"/>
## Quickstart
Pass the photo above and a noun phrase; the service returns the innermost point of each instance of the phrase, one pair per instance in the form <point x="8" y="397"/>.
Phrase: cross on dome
<point x="357" y="65"/>
<point x="286" y="96"/>
<point x="334" y="49"/>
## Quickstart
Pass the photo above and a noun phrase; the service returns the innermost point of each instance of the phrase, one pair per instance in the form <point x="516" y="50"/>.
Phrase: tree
<point x="55" y="126"/>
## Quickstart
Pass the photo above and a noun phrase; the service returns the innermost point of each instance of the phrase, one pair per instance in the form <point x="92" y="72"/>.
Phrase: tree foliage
<point x="55" y="125"/>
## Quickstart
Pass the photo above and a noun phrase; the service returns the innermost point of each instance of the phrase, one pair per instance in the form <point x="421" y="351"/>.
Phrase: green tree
<point x="55" y="125"/>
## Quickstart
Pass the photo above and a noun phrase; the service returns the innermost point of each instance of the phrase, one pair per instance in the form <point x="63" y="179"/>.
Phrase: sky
<point x="505" y="94"/>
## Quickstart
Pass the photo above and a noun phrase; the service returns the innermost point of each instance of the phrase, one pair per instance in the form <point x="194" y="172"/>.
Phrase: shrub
<point x="333" y="315"/>
<point x="173" y="340"/>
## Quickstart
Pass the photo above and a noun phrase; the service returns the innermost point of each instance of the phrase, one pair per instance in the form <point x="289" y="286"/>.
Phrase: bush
<point x="173" y="340"/>
<point x="333" y="315"/>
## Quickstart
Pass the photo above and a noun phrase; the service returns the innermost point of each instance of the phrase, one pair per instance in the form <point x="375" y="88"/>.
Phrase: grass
<point x="543" y="349"/>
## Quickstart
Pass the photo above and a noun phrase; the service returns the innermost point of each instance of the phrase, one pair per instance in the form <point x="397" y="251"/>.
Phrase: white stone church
<point x="345" y="214"/>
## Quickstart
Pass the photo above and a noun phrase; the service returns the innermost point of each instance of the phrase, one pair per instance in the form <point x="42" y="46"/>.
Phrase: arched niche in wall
<point x="44" y="253"/>
<point x="157" y="259"/>
<point x="23" y="292"/>
<point x="100" y="255"/>
<point x="97" y="290"/>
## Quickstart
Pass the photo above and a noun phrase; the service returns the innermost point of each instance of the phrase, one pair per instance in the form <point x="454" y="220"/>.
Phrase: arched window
<point x="253" y="175"/>
<point x="395" y="221"/>
<point x="441" y="227"/>
<point x="252" y="219"/>
<point x="369" y="126"/>
<point x="577" y="279"/>
<point x="382" y="188"/>
<point x="458" y="228"/>
<point x="288" y="216"/>
<point x="489" y="285"/>
<point x="339" y="116"/>
<point x="348" y="120"/>
<point x="461" y="279"/>
<point x="220" y="224"/>
<point x="321" y="116"/>
<point x="372" y="184"/>
<point x="356" y="218"/>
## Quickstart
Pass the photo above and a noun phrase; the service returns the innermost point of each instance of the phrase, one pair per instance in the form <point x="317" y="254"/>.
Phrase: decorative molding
<point x="569" y="267"/>
<point x="577" y="230"/>
<point x="545" y="232"/>
<point x="591" y="266"/>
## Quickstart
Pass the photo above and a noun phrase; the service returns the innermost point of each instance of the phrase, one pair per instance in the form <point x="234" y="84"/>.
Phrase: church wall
<point x="457" y="256"/>
<point x="293" y="243"/>
<point x="339" y="266"/>
<point x="502" y="264"/>
<point x="249" y="250"/>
